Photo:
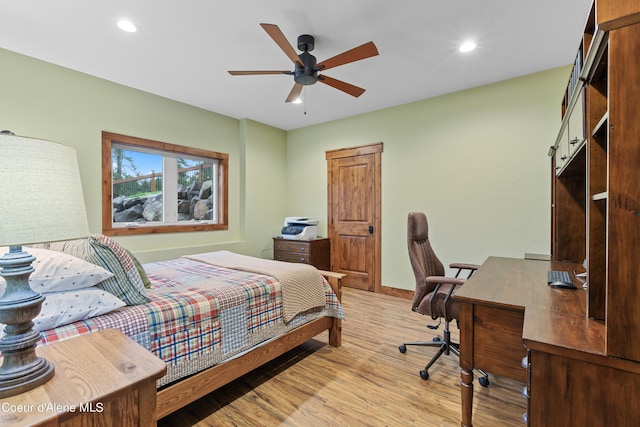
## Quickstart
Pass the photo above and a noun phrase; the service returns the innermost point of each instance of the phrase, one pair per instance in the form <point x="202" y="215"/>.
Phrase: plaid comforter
<point x="200" y="315"/>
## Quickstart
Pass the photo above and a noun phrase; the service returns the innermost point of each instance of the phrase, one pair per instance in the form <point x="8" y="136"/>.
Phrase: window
<point x="155" y="187"/>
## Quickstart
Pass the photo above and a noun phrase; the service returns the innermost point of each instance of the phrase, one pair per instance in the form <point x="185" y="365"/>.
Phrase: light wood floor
<point x="366" y="382"/>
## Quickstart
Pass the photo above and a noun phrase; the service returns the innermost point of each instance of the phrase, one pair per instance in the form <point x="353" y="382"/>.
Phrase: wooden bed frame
<point x="177" y="395"/>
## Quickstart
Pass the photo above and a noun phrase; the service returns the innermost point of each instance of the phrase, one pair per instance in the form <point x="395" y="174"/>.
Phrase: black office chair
<point x="433" y="294"/>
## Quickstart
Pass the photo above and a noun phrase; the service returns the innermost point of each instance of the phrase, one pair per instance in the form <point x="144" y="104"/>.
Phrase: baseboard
<point x="395" y="292"/>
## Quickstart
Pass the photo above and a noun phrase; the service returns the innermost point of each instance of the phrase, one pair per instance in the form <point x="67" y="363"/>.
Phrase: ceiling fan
<point x="306" y="69"/>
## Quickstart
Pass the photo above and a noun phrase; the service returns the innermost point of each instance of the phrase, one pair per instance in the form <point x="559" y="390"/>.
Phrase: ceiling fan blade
<point x="364" y="51"/>
<point x="253" y="73"/>
<point x="343" y="86"/>
<point x="295" y="93"/>
<point x="277" y="36"/>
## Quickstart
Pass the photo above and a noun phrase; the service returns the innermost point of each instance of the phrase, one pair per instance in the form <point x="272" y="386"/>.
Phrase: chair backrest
<point x="423" y="259"/>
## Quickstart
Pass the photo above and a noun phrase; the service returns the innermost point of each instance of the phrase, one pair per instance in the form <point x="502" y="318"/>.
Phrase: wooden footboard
<point x="335" y="280"/>
<point x="182" y="393"/>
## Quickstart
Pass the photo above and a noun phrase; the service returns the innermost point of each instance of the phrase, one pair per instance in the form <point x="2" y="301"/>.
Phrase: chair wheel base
<point x="402" y="348"/>
<point x="424" y="374"/>
<point x="484" y="381"/>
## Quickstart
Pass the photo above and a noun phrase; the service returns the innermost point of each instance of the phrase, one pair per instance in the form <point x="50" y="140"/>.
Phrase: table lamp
<point x="40" y="201"/>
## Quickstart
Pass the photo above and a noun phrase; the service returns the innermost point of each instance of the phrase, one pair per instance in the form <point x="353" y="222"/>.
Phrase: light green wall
<point x="51" y="102"/>
<point x="265" y="193"/>
<point x="475" y="161"/>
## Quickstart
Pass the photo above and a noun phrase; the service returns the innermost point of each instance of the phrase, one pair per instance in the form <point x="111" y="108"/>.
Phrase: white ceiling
<point x="184" y="48"/>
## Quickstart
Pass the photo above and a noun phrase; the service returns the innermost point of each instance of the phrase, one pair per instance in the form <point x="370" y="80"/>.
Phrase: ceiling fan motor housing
<point x="307" y="73"/>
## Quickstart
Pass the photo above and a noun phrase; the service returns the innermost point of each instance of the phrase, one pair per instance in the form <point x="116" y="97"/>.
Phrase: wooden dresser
<point x="315" y="252"/>
<point x="101" y="379"/>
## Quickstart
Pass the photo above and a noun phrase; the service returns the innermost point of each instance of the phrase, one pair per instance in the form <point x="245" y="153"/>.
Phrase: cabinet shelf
<point x="600" y="196"/>
<point x="601" y="125"/>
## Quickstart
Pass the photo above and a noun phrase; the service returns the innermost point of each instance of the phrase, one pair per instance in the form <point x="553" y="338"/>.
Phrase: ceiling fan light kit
<point x="306" y="69"/>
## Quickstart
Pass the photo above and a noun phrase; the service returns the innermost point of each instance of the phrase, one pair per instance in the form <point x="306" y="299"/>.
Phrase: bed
<point x="211" y="317"/>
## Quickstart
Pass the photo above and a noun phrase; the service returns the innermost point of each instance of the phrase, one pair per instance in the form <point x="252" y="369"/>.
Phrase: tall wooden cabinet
<point x="591" y="376"/>
<point x="596" y="172"/>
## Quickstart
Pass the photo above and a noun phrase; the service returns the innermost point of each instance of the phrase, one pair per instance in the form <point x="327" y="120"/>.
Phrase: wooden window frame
<point x="109" y="138"/>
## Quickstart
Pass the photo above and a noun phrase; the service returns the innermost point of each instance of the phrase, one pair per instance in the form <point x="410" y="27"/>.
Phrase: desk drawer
<point x="497" y="341"/>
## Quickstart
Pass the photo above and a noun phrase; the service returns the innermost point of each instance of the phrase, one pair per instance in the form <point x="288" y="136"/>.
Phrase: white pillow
<point x="57" y="271"/>
<point x="62" y="308"/>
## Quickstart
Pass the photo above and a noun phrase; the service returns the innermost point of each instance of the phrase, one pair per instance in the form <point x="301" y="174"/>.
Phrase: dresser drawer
<point x="291" y="257"/>
<point x="291" y="246"/>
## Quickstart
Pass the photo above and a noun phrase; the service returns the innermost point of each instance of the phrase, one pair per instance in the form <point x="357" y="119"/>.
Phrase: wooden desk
<point x="102" y="378"/>
<point x="507" y="304"/>
<point x="508" y="311"/>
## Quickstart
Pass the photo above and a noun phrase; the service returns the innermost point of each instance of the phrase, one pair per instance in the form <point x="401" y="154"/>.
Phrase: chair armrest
<point x="442" y="280"/>
<point x="464" y="266"/>
<point x="435" y="280"/>
<point x="461" y="266"/>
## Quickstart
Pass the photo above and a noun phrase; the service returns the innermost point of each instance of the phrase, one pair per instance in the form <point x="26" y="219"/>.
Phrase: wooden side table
<point x="315" y="251"/>
<point x="103" y="378"/>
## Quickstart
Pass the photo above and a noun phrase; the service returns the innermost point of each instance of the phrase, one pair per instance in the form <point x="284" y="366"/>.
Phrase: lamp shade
<point x="41" y="196"/>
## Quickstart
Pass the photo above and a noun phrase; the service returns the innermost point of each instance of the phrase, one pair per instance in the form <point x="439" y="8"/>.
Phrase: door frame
<point x="376" y="150"/>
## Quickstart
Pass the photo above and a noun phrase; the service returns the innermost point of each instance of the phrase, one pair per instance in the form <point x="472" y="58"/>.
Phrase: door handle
<point x="371" y="229"/>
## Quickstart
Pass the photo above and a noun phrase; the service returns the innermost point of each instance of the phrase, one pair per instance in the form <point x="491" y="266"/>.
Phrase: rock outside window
<point x="156" y="187"/>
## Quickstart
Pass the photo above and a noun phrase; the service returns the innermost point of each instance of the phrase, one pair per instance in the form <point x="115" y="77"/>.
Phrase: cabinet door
<point x="562" y="151"/>
<point x="623" y="202"/>
<point x="575" y="135"/>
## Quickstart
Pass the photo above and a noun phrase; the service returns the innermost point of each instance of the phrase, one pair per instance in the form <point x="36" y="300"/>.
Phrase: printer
<point x="299" y="228"/>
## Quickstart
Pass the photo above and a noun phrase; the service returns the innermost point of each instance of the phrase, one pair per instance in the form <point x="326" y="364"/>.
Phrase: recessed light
<point x="467" y="47"/>
<point x="297" y="101"/>
<point x="127" y="26"/>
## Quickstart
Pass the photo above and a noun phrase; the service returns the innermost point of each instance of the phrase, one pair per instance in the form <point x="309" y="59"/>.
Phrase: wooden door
<point x="353" y="205"/>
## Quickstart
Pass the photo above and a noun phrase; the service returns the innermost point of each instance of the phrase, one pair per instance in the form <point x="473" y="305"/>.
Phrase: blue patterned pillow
<point x="101" y="250"/>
